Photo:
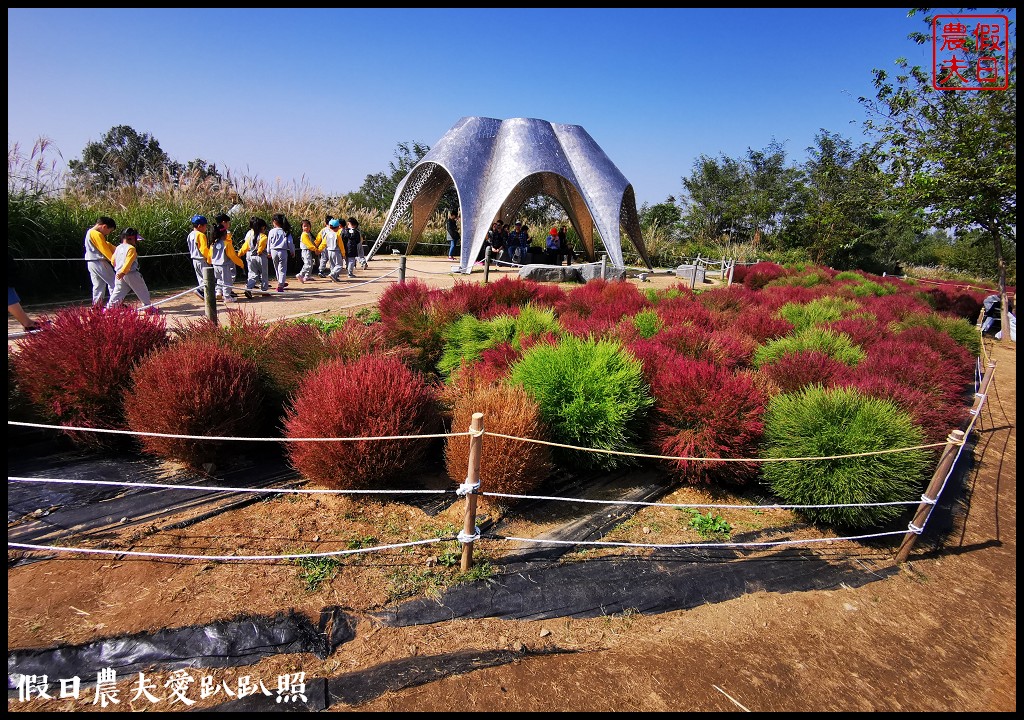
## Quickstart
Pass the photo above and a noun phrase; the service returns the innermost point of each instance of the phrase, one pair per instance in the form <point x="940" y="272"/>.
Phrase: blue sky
<point x="323" y="97"/>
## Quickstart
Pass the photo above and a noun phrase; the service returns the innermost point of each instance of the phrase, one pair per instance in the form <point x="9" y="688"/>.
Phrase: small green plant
<point x="368" y="315"/>
<point x="326" y="323"/>
<point x="357" y="543"/>
<point x="450" y="558"/>
<point x="481" y="570"/>
<point x="314" y="571"/>
<point x="708" y="526"/>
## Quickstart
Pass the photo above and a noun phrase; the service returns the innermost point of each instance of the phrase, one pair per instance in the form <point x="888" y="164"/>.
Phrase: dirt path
<point x="939" y="635"/>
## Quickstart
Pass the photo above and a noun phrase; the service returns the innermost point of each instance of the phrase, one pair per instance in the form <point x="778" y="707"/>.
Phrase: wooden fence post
<point x="210" y="293"/>
<point x="472" y="486"/>
<point x="931" y="495"/>
<point x="604" y="267"/>
<point x="401" y="269"/>
<point x="487" y="264"/>
<point x="732" y="266"/>
<point x="722" y="275"/>
<point x="949" y="454"/>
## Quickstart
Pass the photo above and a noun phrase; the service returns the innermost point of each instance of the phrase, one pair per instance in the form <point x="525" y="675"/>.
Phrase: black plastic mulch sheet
<point x="225" y="643"/>
<point x="604" y="586"/>
<point x="361" y="686"/>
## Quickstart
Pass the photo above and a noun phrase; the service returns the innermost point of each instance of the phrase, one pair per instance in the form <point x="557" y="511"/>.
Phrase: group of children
<point x="115" y="270"/>
<point x="332" y="248"/>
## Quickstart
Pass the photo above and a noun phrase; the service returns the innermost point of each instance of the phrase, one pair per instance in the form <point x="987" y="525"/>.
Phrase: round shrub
<point x="591" y="394"/>
<point x="918" y="366"/>
<point x="796" y="371"/>
<point x="841" y="421"/>
<point x="506" y="466"/>
<point x="833" y="344"/>
<point x="703" y="410"/>
<point x="760" y="274"/>
<point x="817" y="312"/>
<point x="372" y="396"/>
<point x="77" y="369"/>
<point x="195" y="387"/>
<point x="957" y="328"/>
<point x="408" y="318"/>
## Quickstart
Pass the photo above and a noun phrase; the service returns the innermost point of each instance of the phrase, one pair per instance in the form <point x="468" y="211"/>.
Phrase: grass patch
<point x="315" y="571"/>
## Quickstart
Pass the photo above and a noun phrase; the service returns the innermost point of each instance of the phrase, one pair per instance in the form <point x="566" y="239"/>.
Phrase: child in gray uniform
<point x="254" y="250"/>
<point x="126" y="271"/>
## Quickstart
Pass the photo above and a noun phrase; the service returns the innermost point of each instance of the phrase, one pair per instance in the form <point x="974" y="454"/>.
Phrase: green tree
<point x="841" y="210"/>
<point x="378" y="189"/>
<point x="769" y="184"/>
<point x="743" y="199"/>
<point x="712" y="198"/>
<point x="953" y="152"/>
<point x="122" y="157"/>
<point x="665" y="214"/>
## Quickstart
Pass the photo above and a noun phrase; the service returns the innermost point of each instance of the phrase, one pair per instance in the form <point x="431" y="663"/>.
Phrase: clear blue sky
<point x="324" y="96"/>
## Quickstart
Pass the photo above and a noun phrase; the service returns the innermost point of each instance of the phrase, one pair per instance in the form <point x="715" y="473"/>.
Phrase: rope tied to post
<point x="911" y="527"/>
<point x="929" y="501"/>
<point x="467" y="539"/>
<point x="468" y="488"/>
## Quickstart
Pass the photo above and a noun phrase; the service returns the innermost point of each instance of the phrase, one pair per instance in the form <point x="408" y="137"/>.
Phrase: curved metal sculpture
<point x="496" y="166"/>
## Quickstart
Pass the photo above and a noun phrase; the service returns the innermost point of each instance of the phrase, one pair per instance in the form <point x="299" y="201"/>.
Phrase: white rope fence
<point x="461" y="434"/>
<point x="953" y="449"/>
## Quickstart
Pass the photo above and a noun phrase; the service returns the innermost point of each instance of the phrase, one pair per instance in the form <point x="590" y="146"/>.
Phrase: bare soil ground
<point x="939" y="634"/>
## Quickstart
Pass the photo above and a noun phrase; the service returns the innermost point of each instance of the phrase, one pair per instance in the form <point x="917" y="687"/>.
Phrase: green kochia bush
<point x="591" y="393"/>
<point x="818" y="312"/>
<point x="841" y="421"/>
<point x="835" y="345"/>
<point x="957" y="328"/>
<point x="467" y="338"/>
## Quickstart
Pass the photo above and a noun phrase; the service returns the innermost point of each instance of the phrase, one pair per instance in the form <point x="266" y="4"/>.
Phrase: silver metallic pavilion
<point x="496" y="166"/>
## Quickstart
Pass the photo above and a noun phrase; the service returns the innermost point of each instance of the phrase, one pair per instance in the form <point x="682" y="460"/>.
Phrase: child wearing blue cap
<point x="335" y="249"/>
<point x="199" y="250"/>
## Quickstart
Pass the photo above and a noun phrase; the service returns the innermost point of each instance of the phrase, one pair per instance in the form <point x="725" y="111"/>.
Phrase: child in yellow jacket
<point x="99" y="254"/>
<point x="199" y="250"/>
<point x="224" y="259"/>
<point x="310" y="250"/>
<point x="126" y="270"/>
<point x="254" y="250"/>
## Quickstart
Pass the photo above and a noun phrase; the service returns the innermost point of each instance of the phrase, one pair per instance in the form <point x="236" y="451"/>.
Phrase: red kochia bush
<point x="702" y="410"/>
<point x="195" y="387"/>
<point x="405" y="311"/>
<point x="796" y="371"/>
<point x="760" y="323"/>
<point x="861" y="330"/>
<point x="77" y="369"/>
<point x="603" y="302"/>
<point x="760" y="274"/>
<point x="372" y="396"/>
<point x="935" y="416"/>
<point x="916" y="366"/>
